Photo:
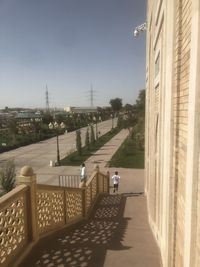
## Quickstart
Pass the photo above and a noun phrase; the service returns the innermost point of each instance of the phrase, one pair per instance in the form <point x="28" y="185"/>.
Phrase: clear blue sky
<point x="69" y="45"/>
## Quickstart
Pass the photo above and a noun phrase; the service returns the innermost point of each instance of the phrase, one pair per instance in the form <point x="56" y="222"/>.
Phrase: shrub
<point x="8" y="176"/>
<point x="92" y="138"/>
<point x="78" y="142"/>
<point x="87" y="140"/>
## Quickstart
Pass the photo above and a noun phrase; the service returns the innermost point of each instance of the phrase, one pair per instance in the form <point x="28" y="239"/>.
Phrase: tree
<point x="12" y="128"/>
<point x="60" y="117"/>
<point x="36" y="125"/>
<point x="7" y="176"/>
<point x="139" y="107"/>
<point x="116" y="104"/>
<point x="78" y="142"/>
<point x="129" y="121"/>
<point x="139" y="115"/>
<point x="47" y="118"/>
<point x="87" y="140"/>
<point x="128" y="108"/>
<point x="92" y="138"/>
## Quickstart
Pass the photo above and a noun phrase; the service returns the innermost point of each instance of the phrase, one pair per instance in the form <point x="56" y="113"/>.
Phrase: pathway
<point x="117" y="234"/>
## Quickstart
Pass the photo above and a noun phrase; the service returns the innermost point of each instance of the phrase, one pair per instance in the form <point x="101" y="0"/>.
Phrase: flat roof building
<point x="81" y="109"/>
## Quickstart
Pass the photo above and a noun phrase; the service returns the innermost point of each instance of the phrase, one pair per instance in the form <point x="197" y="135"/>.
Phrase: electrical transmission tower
<point x="91" y="95"/>
<point x="47" y="99"/>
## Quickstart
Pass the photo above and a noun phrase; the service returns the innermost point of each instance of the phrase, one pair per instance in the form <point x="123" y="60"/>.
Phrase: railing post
<point x="28" y="178"/>
<point x="108" y="181"/>
<point x="96" y="168"/>
<point x="83" y="203"/>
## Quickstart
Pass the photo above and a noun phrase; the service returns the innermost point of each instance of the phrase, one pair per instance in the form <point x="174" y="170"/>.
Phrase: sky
<point x="71" y="46"/>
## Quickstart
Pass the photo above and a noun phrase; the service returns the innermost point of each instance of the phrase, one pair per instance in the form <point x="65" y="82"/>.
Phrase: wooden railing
<point x="31" y="211"/>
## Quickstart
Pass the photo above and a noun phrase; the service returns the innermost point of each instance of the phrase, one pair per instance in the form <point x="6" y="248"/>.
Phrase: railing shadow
<point x="85" y="245"/>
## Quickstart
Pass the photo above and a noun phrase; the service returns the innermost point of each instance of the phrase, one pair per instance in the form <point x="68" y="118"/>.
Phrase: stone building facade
<point x="173" y="129"/>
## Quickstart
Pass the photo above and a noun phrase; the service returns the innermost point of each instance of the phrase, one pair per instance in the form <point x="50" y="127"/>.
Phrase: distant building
<point x="172" y="160"/>
<point x="28" y="116"/>
<point x="26" y="119"/>
<point x="81" y="109"/>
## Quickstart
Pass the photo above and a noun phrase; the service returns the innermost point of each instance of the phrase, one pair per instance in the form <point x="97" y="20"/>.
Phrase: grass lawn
<point x="128" y="156"/>
<point x="76" y="160"/>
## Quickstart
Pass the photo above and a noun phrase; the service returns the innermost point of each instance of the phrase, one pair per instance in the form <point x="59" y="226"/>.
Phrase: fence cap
<point x="26" y="171"/>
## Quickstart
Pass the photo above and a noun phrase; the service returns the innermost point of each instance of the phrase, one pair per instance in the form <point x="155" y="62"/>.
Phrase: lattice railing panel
<point x="94" y="187"/>
<point x="13" y="227"/>
<point x="50" y="209"/>
<point x="73" y="204"/>
<point x="88" y="198"/>
<point x="56" y="206"/>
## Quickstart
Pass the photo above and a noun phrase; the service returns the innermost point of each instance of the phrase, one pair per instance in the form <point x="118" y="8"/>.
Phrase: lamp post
<point x="95" y="121"/>
<point x="112" y="120"/>
<point x="56" y="126"/>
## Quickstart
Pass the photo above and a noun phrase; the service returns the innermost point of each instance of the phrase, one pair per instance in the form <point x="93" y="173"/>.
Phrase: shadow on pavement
<point x="85" y="245"/>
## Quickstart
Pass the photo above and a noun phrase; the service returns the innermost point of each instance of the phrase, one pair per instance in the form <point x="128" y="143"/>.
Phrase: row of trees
<point x="89" y="139"/>
<point x="15" y="132"/>
<point x="132" y="117"/>
<point x="138" y="108"/>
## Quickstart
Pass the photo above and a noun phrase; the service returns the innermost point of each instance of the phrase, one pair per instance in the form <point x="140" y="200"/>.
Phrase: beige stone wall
<point x="154" y="115"/>
<point x="180" y="100"/>
<point x="173" y="129"/>
<point x="197" y="243"/>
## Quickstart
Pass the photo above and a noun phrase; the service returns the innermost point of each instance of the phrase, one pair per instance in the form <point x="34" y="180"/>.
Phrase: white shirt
<point x="83" y="172"/>
<point x="116" y="179"/>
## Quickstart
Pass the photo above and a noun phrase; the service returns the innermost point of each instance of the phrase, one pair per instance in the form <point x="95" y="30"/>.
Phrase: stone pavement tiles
<point x="117" y="234"/>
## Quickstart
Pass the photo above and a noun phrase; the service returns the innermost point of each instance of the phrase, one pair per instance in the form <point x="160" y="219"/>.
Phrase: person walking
<point x="115" y="179"/>
<point x="83" y="174"/>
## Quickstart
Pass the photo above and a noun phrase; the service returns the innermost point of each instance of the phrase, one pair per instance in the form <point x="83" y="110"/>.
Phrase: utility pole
<point x="91" y="96"/>
<point x="47" y="99"/>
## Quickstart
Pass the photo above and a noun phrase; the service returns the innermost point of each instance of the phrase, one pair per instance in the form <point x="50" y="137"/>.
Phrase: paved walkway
<point x="117" y="234"/>
<point x="39" y="155"/>
<point x="49" y="175"/>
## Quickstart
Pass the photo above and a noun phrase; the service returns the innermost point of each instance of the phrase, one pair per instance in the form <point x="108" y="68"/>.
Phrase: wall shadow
<point x="85" y="245"/>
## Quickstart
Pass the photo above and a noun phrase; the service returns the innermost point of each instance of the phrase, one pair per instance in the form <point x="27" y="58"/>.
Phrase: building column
<point x="28" y="178"/>
<point x="190" y="231"/>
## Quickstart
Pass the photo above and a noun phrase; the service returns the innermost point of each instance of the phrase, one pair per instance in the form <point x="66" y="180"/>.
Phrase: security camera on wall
<point x="135" y="33"/>
<point x="139" y="28"/>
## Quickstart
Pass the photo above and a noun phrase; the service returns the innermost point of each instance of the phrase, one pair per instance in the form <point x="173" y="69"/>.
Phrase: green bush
<point x="87" y="140"/>
<point x="8" y="176"/>
<point x="78" y="142"/>
<point x="92" y="138"/>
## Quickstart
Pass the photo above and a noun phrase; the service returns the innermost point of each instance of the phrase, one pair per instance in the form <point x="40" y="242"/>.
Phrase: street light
<point x="56" y="126"/>
<point x="112" y="120"/>
<point x="95" y="120"/>
<point x="140" y="28"/>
